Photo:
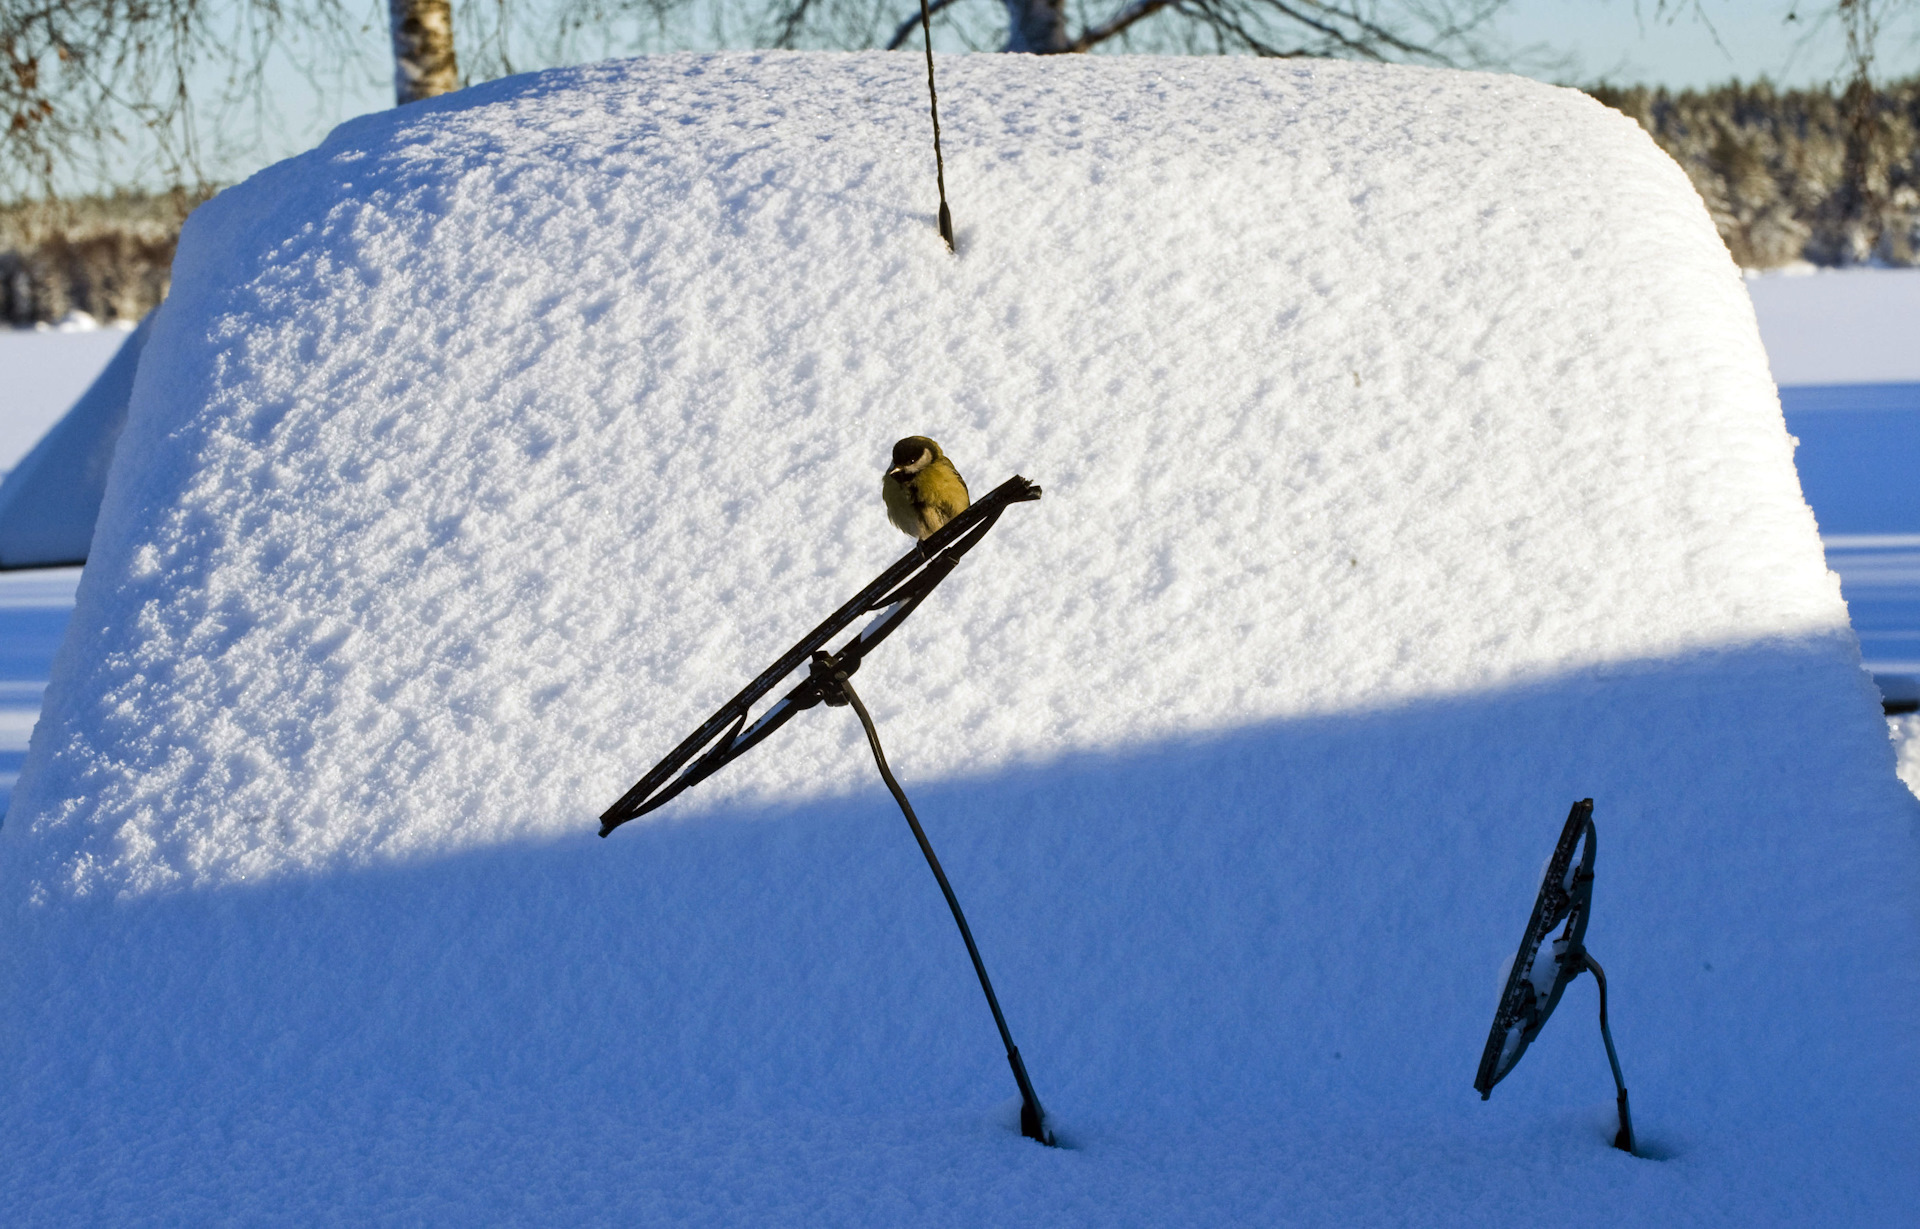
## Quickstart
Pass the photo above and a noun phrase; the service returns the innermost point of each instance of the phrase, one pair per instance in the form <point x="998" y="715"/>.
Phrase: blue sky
<point x="1625" y="42"/>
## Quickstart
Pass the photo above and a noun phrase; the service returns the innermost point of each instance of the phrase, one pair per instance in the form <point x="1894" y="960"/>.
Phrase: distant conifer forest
<point x="1795" y="175"/>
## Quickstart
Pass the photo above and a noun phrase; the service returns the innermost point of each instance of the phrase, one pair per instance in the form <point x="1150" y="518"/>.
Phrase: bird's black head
<point x="915" y="453"/>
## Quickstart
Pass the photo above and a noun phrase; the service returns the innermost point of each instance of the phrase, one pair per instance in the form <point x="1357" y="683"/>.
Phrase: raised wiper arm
<point x="896" y="593"/>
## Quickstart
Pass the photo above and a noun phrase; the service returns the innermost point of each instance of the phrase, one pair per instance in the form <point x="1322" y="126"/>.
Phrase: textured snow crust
<point x="540" y="424"/>
<point x="1412" y="470"/>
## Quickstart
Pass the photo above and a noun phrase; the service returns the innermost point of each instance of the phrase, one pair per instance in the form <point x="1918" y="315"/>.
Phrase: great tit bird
<point x="923" y="490"/>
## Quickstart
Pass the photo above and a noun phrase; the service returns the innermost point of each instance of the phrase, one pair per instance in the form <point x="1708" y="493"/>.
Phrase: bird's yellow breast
<point x="919" y="504"/>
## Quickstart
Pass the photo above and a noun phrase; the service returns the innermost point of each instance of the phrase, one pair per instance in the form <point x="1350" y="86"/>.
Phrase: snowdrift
<point x="1412" y="470"/>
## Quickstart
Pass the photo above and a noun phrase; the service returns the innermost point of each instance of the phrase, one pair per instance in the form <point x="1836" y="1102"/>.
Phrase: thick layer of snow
<point x="1412" y="467"/>
<point x="49" y="502"/>
<point x="1840" y="326"/>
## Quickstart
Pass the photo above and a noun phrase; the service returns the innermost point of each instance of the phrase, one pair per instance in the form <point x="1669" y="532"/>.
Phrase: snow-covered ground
<point x="1842" y="347"/>
<point x="1853" y="326"/>
<point x="34" y="610"/>
<point x="50" y="500"/>
<point x="1379" y="527"/>
<point x="42" y="371"/>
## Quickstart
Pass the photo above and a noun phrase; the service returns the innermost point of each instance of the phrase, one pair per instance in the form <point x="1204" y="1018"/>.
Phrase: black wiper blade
<point x="895" y="593"/>
<point x="1566" y="895"/>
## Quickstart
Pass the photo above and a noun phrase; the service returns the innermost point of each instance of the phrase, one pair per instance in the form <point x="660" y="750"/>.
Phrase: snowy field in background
<point x="1248" y="805"/>
<point x="1843" y="347"/>
<point x="35" y="608"/>
<point x="42" y="372"/>
<point x="1851" y="326"/>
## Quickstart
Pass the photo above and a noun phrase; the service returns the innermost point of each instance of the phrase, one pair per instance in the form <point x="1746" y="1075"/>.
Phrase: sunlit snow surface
<point x="1412" y="470"/>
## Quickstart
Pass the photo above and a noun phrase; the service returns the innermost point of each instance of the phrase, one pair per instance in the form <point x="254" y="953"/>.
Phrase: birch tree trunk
<point x="423" y="63"/>
<point x="1037" y="26"/>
